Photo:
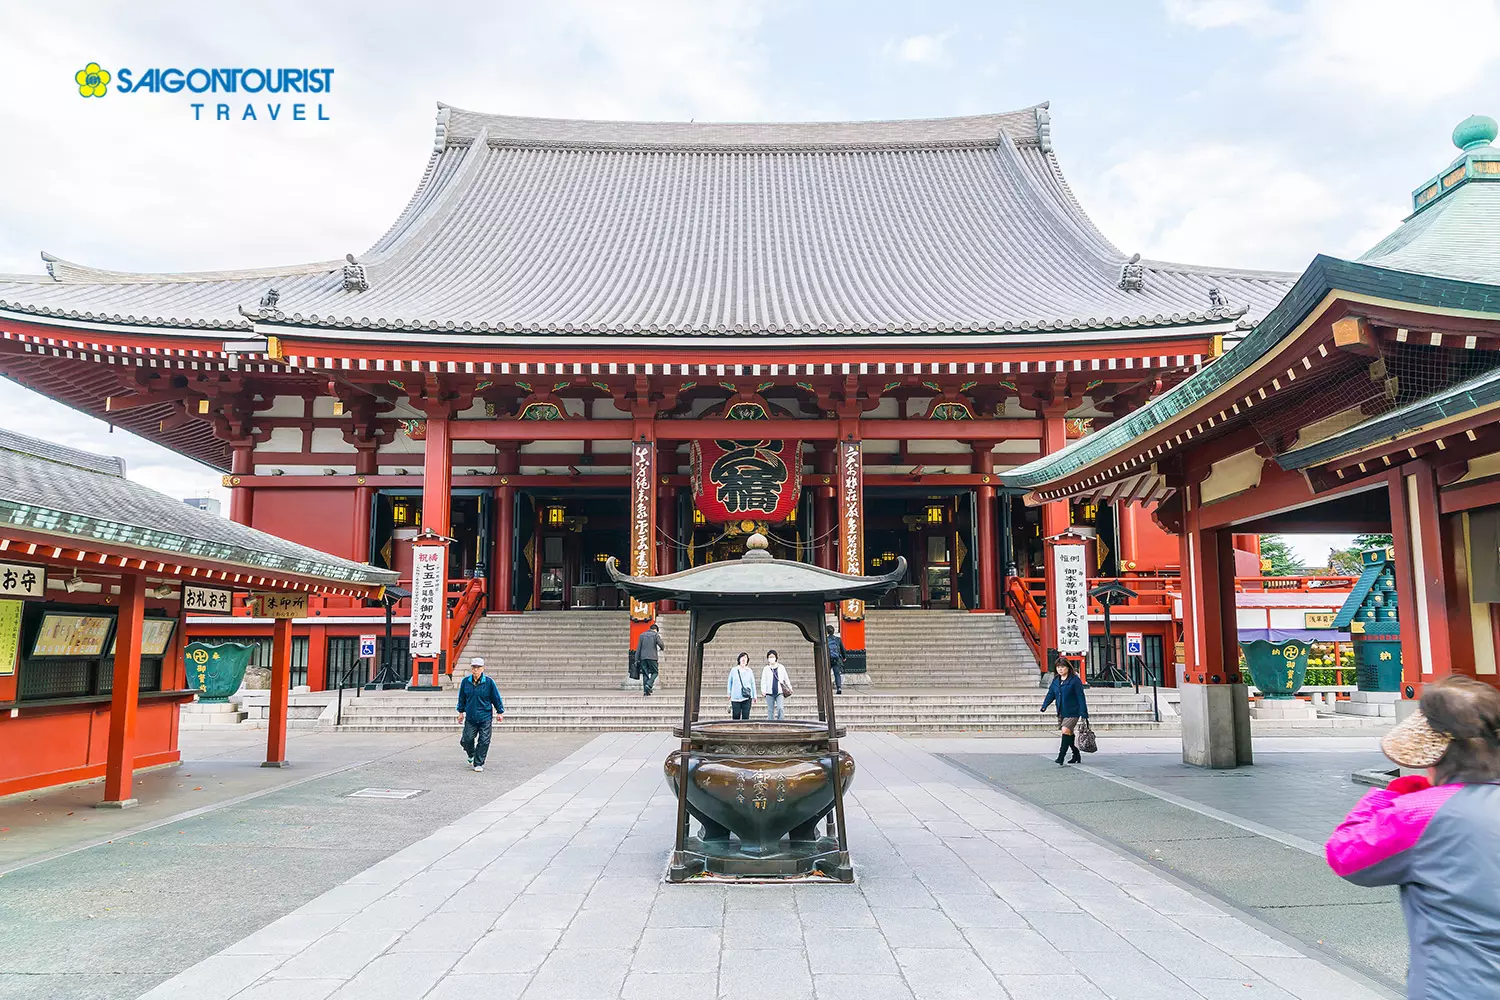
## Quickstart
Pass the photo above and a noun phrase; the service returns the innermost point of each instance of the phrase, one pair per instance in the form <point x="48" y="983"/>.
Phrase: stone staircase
<point x="580" y="650"/>
<point x="929" y="672"/>
<point x="932" y="710"/>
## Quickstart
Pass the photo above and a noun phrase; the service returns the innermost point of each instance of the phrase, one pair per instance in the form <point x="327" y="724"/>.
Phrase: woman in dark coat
<point x="1067" y="690"/>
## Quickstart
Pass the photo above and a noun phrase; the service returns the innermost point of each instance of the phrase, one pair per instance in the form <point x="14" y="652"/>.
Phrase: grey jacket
<point x="649" y="646"/>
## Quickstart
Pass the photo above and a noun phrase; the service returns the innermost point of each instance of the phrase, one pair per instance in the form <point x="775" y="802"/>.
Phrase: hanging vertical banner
<point x="642" y="520"/>
<point x="429" y="566"/>
<point x="10" y="636"/>
<point x="1071" y="602"/>
<point x="851" y="521"/>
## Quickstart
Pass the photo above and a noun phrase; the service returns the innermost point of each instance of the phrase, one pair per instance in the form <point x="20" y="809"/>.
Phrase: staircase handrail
<point x="463" y="612"/>
<point x="1024" y="609"/>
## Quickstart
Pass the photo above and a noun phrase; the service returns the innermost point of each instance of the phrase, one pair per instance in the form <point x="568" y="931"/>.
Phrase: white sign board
<point x="366" y="645"/>
<point x="20" y="580"/>
<point x="1070" y="604"/>
<point x="429" y="567"/>
<point x="1134" y="644"/>
<point x="210" y="599"/>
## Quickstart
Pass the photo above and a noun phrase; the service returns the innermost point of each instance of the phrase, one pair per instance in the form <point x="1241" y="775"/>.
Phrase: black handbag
<point x="1086" y="740"/>
<point x="634" y="667"/>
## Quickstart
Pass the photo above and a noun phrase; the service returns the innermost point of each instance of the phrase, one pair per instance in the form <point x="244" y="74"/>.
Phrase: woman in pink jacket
<point x="1438" y="837"/>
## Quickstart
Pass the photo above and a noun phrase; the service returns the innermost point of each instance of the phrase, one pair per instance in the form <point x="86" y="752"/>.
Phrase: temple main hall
<point x="584" y="339"/>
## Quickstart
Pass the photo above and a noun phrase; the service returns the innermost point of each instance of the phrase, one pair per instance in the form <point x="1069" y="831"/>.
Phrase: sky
<point x="1231" y="132"/>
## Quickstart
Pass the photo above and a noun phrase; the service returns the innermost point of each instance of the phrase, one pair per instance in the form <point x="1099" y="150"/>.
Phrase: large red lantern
<point x="756" y="479"/>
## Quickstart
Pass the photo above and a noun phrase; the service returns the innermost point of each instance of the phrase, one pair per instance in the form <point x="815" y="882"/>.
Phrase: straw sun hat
<point x="1414" y="743"/>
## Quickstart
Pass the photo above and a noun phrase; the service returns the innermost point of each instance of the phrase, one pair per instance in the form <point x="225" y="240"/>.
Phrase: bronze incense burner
<point x="761" y="792"/>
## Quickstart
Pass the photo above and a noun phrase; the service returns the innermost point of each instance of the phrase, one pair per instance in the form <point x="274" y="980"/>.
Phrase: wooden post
<point x="437" y="478"/>
<point x="505" y="557"/>
<point x="984" y="532"/>
<point x="241" y="463"/>
<point x="281" y="684"/>
<point x="642" y="557"/>
<point x="119" y="767"/>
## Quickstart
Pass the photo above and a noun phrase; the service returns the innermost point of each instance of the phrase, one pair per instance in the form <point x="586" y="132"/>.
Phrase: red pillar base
<point x="275" y="763"/>
<point x="122" y="804"/>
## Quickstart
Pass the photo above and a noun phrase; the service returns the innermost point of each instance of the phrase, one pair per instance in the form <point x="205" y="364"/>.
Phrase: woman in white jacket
<point x="774" y="685"/>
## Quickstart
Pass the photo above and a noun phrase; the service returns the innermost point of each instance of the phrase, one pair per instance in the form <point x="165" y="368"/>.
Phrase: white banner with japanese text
<point x="1070" y="603"/>
<point x="429" y="566"/>
<point x="851" y="521"/>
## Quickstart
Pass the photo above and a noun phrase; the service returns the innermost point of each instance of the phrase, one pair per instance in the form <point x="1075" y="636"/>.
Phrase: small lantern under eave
<point x="556" y="517"/>
<point x="600" y="557"/>
<point x="698" y="517"/>
<point x="934" y="513"/>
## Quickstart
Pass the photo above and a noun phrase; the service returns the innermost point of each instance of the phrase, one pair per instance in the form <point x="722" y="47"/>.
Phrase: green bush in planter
<point x="217" y="669"/>
<point x="1278" y="669"/>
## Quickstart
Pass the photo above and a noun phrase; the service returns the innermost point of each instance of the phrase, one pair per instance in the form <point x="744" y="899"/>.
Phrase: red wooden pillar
<point x="317" y="658"/>
<point x="1421" y="584"/>
<point x="119" y="767"/>
<point x="1056" y="516"/>
<point x="642" y="554"/>
<point x="825" y="510"/>
<point x="666" y="532"/>
<point x="984" y="535"/>
<point x="1125" y="515"/>
<point x="507" y="462"/>
<point x="850" y="483"/>
<point x="437" y="478"/>
<point x="364" y="502"/>
<point x="281" y="683"/>
<point x="241" y="463"/>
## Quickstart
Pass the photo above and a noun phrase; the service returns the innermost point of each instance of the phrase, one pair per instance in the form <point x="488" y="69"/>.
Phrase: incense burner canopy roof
<point x="756" y="576"/>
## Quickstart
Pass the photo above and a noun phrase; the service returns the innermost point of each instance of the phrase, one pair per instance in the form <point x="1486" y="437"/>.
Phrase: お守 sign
<point x="209" y="599"/>
<point x="1070" y="603"/>
<point x="20" y="580"/>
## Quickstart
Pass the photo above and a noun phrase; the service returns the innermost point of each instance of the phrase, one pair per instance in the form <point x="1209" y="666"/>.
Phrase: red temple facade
<point x="647" y="340"/>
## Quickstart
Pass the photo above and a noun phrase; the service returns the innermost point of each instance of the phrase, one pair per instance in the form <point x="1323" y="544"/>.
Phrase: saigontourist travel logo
<point x="92" y="81"/>
<point x="270" y="89"/>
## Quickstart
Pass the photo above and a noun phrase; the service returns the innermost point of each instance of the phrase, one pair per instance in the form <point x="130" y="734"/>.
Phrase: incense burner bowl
<point x="760" y="790"/>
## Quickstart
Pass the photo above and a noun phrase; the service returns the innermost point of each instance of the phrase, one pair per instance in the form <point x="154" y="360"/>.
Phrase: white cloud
<point x="1257" y="14"/>
<point x="1242" y="205"/>
<point x="921" y="48"/>
<point x="1389" y="51"/>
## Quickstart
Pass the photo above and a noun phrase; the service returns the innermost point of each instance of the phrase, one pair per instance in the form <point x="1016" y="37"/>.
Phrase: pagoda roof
<point x="1443" y="258"/>
<point x="74" y="496"/>
<point x="536" y="226"/>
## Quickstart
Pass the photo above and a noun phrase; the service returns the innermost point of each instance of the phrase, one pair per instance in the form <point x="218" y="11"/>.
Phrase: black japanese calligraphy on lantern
<point x="749" y="476"/>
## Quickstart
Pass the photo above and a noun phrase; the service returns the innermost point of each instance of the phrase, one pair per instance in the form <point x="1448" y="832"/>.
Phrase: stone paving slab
<point x="963" y="891"/>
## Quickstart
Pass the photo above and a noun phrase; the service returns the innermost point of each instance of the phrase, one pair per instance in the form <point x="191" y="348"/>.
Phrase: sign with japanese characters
<point x="1134" y="644"/>
<point x="642" y="520"/>
<point x="156" y="636"/>
<point x="429" y="571"/>
<point x="1318" y="619"/>
<point x="1070" y="602"/>
<point x="281" y="605"/>
<point x="852" y="521"/>
<point x="214" y="600"/>
<point x="71" y="635"/>
<point x="366" y="646"/>
<point x="20" y="580"/>
<point x="734" y="480"/>
<point x="10" y="636"/>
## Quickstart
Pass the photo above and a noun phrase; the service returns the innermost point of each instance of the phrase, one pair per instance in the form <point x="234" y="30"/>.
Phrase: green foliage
<point x="1349" y="562"/>
<point x="1283" y="561"/>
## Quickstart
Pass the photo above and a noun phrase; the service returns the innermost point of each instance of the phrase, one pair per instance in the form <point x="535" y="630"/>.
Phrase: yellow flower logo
<point x="92" y="81"/>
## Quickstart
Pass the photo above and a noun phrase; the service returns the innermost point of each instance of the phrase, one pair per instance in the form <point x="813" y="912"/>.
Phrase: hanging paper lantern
<point x="760" y="479"/>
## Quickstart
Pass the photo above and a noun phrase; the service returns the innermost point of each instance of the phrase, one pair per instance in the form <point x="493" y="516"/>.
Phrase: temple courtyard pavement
<point x="984" y="870"/>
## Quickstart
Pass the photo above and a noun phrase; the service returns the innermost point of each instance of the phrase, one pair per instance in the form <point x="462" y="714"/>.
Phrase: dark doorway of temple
<point x="396" y="517"/>
<point x="934" y="531"/>
<point x="563" y="537"/>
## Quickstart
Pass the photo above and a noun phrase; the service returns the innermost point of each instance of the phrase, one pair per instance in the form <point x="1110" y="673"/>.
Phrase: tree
<point x="1277" y="557"/>
<point x="1350" y="561"/>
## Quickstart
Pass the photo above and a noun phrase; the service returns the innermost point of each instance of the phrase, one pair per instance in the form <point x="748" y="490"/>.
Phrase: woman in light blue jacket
<point x="741" y="687"/>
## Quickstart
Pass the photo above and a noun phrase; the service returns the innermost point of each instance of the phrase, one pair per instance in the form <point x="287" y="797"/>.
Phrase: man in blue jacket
<point x="478" y="700"/>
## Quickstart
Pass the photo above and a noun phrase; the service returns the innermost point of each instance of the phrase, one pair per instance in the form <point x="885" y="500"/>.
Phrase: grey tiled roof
<point x="530" y="226"/>
<point x="60" y="491"/>
<point x="1455" y="237"/>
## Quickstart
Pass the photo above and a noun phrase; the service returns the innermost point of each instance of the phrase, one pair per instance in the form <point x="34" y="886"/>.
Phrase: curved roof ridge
<point x="1074" y="227"/>
<point x="457" y="126"/>
<point x="67" y="272"/>
<point x="435" y="211"/>
<point x="1218" y="272"/>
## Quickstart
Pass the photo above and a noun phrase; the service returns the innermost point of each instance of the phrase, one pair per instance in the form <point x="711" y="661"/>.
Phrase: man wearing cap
<point x="479" y="705"/>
